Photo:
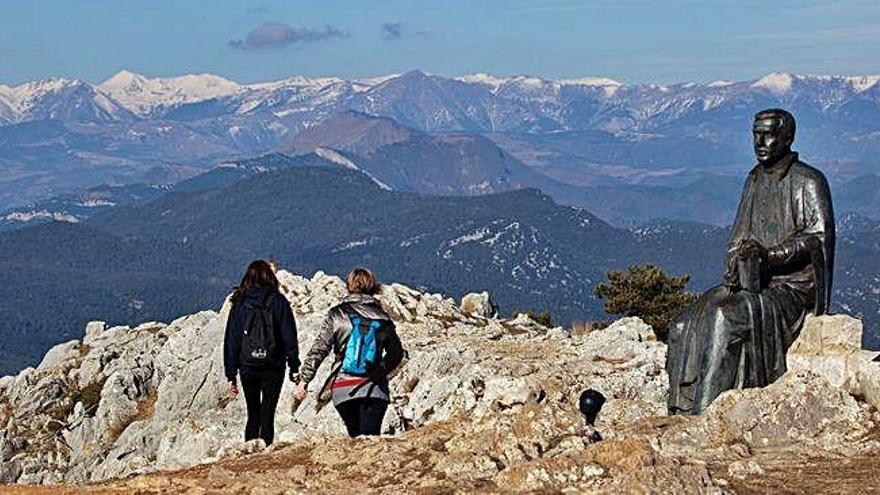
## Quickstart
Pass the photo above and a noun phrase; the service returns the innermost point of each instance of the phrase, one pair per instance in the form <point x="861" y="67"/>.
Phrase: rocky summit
<point x="480" y="404"/>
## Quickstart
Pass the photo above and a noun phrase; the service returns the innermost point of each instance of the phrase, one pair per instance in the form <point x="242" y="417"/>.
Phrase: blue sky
<point x="659" y="41"/>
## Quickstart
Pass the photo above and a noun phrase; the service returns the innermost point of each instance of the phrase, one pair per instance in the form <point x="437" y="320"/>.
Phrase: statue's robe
<point x="731" y="338"/>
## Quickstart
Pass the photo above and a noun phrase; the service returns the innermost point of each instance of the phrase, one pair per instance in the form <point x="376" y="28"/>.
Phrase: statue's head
<point x="773" y="132"/>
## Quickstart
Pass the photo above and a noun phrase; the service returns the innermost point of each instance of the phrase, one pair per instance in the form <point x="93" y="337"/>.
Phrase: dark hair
<point x="362" y="281"/>
<point x="259" y="274"/>
<point x="787" y="118"/>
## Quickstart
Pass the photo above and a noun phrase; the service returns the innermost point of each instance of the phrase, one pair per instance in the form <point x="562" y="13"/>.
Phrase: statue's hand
<point x="750" y="248"/>
<point x="731" y="278"/>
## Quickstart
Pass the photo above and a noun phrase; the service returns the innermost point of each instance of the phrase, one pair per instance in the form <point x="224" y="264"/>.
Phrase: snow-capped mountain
<point x="580" y="131"/>
<point x="59" y="99"/>
<point x="476" y="102"/>
<point x="143" y="95"/>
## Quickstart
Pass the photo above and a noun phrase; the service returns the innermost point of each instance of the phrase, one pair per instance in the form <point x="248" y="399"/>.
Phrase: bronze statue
<point x="779" y="265"/>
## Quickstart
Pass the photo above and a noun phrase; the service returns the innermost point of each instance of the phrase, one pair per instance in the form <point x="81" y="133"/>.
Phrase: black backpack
<point x="258" y="347"/>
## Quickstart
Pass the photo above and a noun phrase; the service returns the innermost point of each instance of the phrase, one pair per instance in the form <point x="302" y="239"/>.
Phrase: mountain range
<point x="141" y="198"/>
<point x="59" y="136"/>
<point x="406" y="159"/>
<point x="181" y="251"/>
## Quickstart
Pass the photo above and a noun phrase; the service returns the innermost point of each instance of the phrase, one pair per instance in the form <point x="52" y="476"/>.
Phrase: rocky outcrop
<point x="129" y="400"/>
<point x="831" y="347"/>
<point x="480" y="404"/>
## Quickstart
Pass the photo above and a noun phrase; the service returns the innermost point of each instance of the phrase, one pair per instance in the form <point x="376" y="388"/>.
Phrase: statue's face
<point x="771" y="139"/>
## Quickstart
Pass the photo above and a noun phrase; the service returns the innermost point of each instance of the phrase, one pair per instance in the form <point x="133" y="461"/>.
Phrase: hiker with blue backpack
<point x="366" y="347"/>
<point x="260" y="337"/>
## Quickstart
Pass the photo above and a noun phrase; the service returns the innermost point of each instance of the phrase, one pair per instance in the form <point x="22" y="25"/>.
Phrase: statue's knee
<point x="733" y="304"/>
<point x="716" y="295"/>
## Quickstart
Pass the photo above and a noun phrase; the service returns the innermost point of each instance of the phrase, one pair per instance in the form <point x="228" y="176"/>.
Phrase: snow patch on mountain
<point x="492" y="82"/>
<point x="532" y="82"/>
<point x="8" y="104"/>
<point x="777" y="83"/>
<point x="366" y="83"/>
<point x="336" y="157"/>
<point x="27" y="216"/>
<point x="339" y="159"/>
<point x="95" y="203"/>
<point x="143" y="95"/>
<point x="471" y="237"/>
<point x="35" y="89"/>
<point x="591" y="81"/>
<point x="301" y="82"/>
<point x="862" y="83"/>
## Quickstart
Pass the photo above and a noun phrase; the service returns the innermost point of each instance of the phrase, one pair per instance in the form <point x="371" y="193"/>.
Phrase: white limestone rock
<point x="94" y="329"/>
<point x="830" y="346"/>
<point x="162" y="397"/>
<point x="801" y="408"/>
<point x="59" y="354"/>
<point x="478" y="304"/>
<point x="828" y="335"/>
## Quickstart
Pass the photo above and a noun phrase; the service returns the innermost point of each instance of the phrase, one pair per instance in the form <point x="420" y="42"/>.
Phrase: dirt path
<point x="859" y="474"/>
<point x="418" y="463"/>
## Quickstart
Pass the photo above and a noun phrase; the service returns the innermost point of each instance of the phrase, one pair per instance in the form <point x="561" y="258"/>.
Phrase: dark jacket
<point x="333" y="336"/>
<point x="283" y="323"/>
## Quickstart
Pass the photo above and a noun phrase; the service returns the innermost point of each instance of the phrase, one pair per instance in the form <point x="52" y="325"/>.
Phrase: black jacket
<point x="283" y="323"/>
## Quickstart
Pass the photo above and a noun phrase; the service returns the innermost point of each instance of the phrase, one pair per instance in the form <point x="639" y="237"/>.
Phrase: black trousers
<point x="362" y="416"/>
<point x="261" y="391"/>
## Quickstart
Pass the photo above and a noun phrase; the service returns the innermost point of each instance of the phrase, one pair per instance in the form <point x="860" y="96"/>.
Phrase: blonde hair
<point x="362" y="281"/>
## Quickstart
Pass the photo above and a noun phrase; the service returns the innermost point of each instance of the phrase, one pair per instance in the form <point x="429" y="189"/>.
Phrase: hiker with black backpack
<point x="260" y="337"/>
<point x="366" y="347"/>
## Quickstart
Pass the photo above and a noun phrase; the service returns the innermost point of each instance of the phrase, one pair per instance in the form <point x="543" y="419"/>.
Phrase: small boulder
<point x="478" y="304"/>
<point x="93" y="330"/>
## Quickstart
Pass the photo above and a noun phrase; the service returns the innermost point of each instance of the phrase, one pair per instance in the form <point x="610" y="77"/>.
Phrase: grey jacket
<point x="333" y="337"/>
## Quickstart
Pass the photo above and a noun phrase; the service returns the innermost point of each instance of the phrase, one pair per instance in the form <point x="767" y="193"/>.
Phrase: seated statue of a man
<point x="779" y="266"/>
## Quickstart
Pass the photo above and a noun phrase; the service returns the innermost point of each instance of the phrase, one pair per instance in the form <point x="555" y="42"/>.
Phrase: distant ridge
<point x="144" y="96"/>
<point x="59" y="136"/>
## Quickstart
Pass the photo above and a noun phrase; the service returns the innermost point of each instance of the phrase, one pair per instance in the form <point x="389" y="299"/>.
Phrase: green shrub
<point x="90" y="396"/>
<point x="647" y="292"/>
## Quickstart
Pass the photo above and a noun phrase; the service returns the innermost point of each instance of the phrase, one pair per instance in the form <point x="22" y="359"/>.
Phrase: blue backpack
<point x="361" y="353"/>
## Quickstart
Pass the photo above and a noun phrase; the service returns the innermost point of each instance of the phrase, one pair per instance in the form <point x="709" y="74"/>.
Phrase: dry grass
<point x="5" y="411"/>
<point x="859" y="474"/>
<point x="581" y="328"/>
<point x="144" y="411"/>
<point x="145" y="407"/>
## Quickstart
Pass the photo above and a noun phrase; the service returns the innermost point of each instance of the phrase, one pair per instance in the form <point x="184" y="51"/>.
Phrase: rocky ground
<point x="481" y="404"/>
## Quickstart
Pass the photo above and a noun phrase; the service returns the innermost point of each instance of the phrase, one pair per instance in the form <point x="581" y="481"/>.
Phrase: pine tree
<point x="648" y="292"/>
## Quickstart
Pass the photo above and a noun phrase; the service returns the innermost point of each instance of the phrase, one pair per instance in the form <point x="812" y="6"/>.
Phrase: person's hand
<point x="294" y="377"/>
<point x="301" y="391"/>
<point x="233" y="388"/>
